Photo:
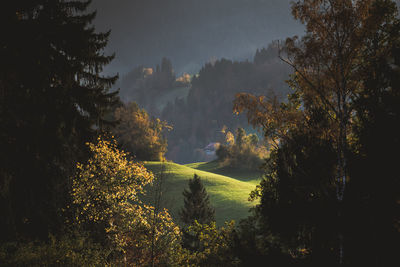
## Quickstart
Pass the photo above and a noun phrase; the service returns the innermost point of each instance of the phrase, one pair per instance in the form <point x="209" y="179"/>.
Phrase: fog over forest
<point x="190" y="32"/>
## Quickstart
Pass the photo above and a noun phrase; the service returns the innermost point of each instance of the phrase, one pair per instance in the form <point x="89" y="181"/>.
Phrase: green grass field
<point x="252" y="177"/>
<point x="228" y="189"/>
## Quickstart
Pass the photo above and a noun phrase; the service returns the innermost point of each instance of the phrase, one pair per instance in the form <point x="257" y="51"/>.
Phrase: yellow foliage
<point x="140" y="134"/>
<point x="230" y="138"/>
<point x="106" y="190"/>
<point x="215" y="246"/>
<point x="185" y="78"/>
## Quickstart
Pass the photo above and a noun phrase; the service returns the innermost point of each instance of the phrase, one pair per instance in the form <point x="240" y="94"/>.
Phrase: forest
<point x="287" y="158"/>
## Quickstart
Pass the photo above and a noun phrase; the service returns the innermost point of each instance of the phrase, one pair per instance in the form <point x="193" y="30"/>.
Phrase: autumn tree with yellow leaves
<point x="308" y="184"/>
<point x="140" y="134"/>
<point x="106" y="191"/>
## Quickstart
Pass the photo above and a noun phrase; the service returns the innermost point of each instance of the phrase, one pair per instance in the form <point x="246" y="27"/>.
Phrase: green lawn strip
<point x="229" y="196"/>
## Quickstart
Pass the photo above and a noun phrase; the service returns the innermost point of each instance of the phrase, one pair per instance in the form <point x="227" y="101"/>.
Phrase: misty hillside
<point x="199" y="106"/>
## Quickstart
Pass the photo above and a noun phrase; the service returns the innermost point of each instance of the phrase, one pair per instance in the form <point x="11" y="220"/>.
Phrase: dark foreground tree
<point x="330" y="196"/>
<point x="373" y="210"/>
<point x="197" y="208"/>
<point x="197" y="204"/>
<point x="52" y="101"/>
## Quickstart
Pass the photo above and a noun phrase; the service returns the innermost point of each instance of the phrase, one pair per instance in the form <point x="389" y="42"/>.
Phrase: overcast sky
<point x="190" y="32"/>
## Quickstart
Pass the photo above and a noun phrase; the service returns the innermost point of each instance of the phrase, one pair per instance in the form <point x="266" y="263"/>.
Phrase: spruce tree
<point x="197" y="204"/>
<point x="53" y="99"/>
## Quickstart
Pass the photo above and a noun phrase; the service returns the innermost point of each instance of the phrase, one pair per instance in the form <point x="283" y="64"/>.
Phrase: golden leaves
<point x="106" y="190"/>
<point x="107" y="181"/>
<point x="139" y="133"/>
<point x="275" y="118"/>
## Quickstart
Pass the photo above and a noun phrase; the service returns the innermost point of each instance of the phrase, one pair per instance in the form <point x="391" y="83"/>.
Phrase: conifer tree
<point x="53" y="99"/>
<point x="197" y="204"/>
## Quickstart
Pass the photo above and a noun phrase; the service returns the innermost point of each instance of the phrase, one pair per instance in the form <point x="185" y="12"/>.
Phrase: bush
<point x="215" y="246"/>
<point x="244" y="152"/>
<point x="65" y="251"/>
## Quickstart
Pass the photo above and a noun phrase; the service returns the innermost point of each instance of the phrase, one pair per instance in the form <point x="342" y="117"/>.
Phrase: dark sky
<point x="190" y="32"/>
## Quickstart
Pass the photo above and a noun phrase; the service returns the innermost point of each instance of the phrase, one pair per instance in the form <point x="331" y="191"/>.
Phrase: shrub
<point x="244" y="152"/>
<point x="215" y="246"/>
<point x="69" y="250"/>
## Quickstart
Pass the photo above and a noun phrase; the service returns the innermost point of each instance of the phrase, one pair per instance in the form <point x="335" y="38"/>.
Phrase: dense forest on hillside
<point x="199" y="112"/>
<point x="86" y="172"/>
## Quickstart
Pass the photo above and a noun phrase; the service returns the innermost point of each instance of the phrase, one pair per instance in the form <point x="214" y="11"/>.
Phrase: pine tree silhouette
<point x="197" y="204"/>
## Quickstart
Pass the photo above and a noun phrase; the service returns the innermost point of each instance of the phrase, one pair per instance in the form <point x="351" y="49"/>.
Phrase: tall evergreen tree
<point x="197" y="204"/>
<point x="196" y="208"/>
<point x="52" y="100"/>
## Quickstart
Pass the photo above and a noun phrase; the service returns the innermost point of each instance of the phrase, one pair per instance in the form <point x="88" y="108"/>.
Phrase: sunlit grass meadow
<point x="228" y="194"/>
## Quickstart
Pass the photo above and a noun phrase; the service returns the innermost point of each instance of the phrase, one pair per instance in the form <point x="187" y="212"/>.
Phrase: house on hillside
<point x="210" y="151"/>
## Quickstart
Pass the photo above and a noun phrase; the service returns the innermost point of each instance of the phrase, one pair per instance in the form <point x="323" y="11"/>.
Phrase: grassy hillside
<point x="228" y="195"/>
<point x="252" y="177"/>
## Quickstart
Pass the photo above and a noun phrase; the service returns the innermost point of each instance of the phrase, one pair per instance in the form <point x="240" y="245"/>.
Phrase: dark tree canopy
<point x="338" y="123"/>
<point x="374" y="189"/>
<point x="197" y="204"/>
<point x="52" y="100"/>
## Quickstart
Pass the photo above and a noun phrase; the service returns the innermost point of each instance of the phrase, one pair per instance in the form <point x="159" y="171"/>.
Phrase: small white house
<point x="211" y="149"/>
